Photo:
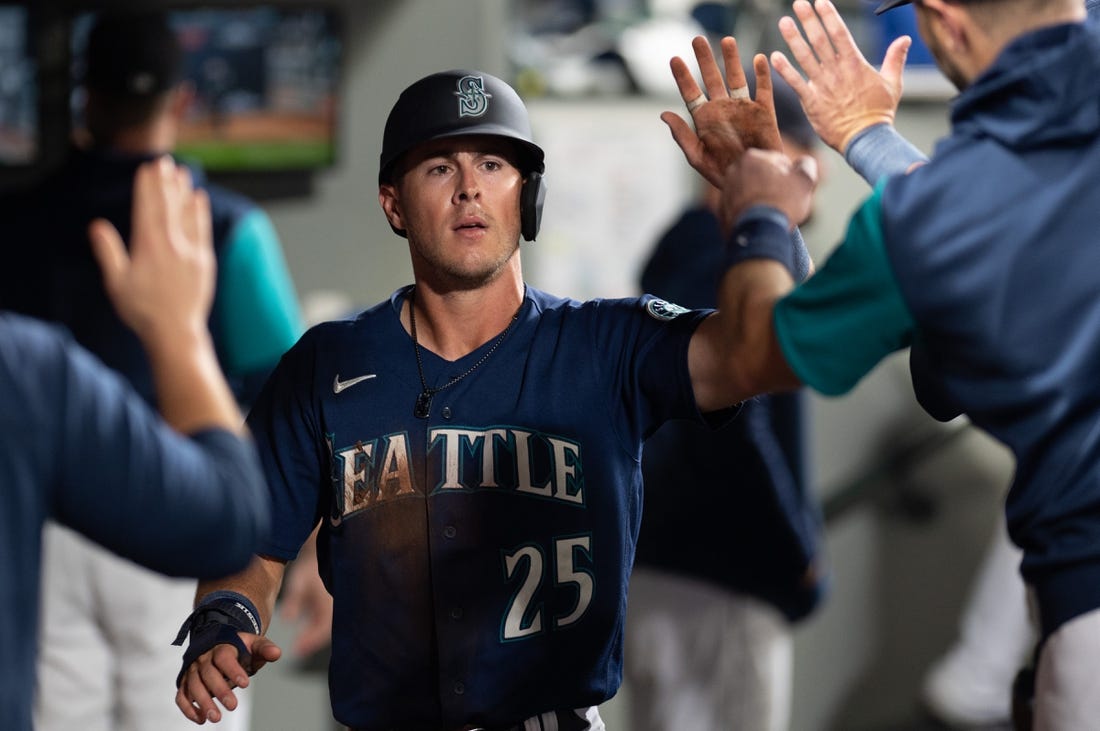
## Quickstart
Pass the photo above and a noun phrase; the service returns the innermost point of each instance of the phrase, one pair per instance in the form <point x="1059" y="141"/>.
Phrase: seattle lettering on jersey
<point x="459" y="459"/>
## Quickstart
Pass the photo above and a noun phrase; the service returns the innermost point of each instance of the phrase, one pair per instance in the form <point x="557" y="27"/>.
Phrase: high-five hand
<point x="727" y="120"/>
<point x="164" y="283"/>
<point x="842" y="94"/>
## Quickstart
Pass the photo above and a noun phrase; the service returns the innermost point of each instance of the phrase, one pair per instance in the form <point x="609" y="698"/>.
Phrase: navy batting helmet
<point x="463" y="102"/>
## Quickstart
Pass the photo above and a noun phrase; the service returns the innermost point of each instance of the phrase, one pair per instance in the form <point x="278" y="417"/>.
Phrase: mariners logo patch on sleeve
<point x="661" y="310"/>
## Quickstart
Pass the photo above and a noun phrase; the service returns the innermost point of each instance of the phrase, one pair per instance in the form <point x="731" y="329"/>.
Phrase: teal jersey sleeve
<point x="835" y="327"/>
<point x="258" y="310"/>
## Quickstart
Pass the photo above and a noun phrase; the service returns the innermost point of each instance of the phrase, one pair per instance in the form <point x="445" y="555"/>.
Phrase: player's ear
<point x="387" y="198"/>
<point x="950" y="24"/>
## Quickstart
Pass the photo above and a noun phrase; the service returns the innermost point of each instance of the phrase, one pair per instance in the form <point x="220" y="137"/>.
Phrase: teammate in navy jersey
<point x="853" y="108"/>
<point x="982" y="259"/>
<point x="103" y="617"/>
<point x="715" y="592"/>
<point x="471" y="446"/>
<point x="83" y="448"/>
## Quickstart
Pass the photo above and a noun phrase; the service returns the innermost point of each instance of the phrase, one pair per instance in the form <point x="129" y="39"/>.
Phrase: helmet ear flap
<point x="531" y="199"/>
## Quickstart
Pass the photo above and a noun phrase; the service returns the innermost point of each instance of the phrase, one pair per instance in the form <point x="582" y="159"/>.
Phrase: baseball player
<point x="471" y="448"/>
<point x="83" y="448"/>
<point x="863" y="132"/>
<point x="103" y="617"/>
<point x="982" y="259"/>
<point x="715" y="593"/>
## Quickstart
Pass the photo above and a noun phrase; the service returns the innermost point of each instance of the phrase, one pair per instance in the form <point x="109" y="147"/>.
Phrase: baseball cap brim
<point x="889" y="5"/>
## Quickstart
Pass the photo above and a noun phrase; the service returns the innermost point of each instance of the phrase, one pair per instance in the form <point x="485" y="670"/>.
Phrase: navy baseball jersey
<point x="998" y="297"/>
<point x="83" y="449"/>
<point x="479" y="557"/>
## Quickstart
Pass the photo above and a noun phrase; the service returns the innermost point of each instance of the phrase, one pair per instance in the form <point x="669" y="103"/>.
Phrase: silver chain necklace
<point x="423" y="406"/>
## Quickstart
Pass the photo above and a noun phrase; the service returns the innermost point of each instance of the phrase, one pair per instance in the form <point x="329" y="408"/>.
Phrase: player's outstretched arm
<point x="842" y="94"/>
<point x="727" y="121"/>
<point x="222" y="608"/>
<point x="735" y="353"/>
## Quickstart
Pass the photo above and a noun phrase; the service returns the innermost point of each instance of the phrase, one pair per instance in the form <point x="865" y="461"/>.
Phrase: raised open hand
<point x="842" y="94"/>
<point x="164" y="283"/>
<point x="727" y="120"/>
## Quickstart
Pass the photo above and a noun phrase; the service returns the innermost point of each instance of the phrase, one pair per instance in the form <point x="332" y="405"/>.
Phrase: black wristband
<point x="761" y="237"/>
<point x="205" y="637"/>
<point x="216" y="621"/>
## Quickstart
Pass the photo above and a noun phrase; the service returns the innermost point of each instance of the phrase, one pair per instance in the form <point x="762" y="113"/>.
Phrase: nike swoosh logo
<point x="338" y="385"/>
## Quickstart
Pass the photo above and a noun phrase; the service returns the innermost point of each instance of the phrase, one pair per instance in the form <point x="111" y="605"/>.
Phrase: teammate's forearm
<point x="191" y="390"/>
<point x="879" y="151"/>
<point x="750" y="289"/>
<point x="743" y="351"/>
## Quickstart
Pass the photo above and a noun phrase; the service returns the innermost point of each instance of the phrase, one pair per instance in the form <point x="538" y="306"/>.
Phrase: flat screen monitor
<point x="265" y="82"/>
<point x="19" y="115"/>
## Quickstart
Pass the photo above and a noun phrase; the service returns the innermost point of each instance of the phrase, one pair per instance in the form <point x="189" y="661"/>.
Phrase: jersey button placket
<point x="446" y="412"/>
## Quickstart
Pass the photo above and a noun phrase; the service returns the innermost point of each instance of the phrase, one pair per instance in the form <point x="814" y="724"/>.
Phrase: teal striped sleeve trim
<point x="835" y="327"/>
<point x="258" y="310"/>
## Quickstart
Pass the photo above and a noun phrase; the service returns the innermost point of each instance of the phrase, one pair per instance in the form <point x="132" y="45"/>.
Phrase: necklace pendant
<point x="423" y="405"/>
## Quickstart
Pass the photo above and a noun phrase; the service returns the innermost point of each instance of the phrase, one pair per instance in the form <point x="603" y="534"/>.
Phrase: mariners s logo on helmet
<point x="473" y="100"/>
